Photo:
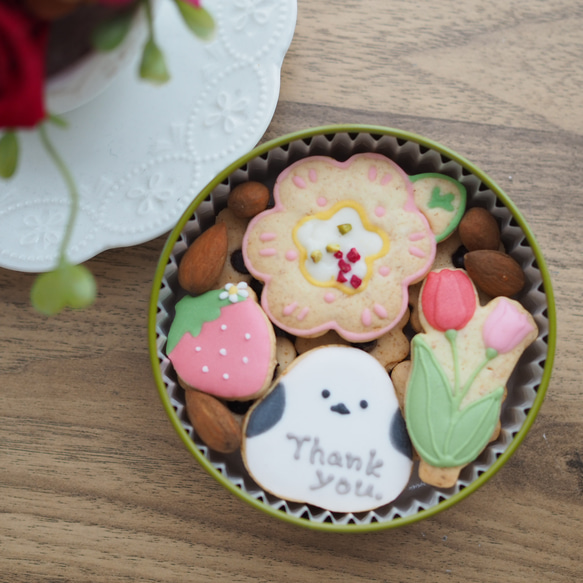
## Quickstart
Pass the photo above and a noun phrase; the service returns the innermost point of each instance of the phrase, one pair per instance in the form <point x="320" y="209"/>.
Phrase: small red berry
<point x="343" y="266"/>
<point x="353" y="255"/>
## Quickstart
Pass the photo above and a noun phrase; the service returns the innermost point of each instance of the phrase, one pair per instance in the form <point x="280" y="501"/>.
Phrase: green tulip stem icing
<point x="444" y="433"/>
<point x="490" y="354"/>
<point x="451" y="335"/>
<point x="459" y="397"/>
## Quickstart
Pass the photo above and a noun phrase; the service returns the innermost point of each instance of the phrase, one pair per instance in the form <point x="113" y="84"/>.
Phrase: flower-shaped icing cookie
<point x="340" y="247"/>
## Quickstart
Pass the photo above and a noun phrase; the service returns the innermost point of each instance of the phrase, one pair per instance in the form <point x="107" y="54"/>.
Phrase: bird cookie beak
<point x="340" y="408"/>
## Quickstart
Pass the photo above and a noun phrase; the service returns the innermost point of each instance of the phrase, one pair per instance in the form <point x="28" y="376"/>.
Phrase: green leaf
<point x="441" y="200"/>
<point x="429" y="407"/>
<point x="153" y="65"/>
<point x="9" y="151"/>
<point x="111" y="33"/>
<point x="82" y="287"/>
<point x="198" y="20"/>
<point x="453" y="201"/>
<point x="57" y="120"/>
<point x="67" y="286"/>
<point x="192" y="312"/>
<point x="474" y="427"/>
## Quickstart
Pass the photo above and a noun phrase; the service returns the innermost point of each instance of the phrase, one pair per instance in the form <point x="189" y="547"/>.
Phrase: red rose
<point x="23" y="41"/>
<point x="448" y="299"/>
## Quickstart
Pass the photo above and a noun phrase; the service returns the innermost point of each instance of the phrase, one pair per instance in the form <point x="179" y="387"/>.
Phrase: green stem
<point x="459" y="396"/>
<point x="149" y="19"/>
<point x="71" y="187"/>
<point x="451" y="335"/>
<point x="490" y="354"/>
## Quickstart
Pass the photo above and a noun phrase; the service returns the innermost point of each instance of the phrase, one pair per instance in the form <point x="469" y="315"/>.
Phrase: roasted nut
<point x="203" y="261"/>
<point x="248" y="199"/>
<point x="479" y="230"/>
<point x="494" y="272"/>
<point x="214" y="423"/>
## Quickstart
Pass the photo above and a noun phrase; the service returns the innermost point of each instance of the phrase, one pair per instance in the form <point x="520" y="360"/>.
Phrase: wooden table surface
<point x="95" y="485"/>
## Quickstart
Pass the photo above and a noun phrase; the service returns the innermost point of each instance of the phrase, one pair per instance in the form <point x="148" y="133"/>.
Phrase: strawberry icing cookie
<point x="340" y="247"/>
<point x="222" y="343"/>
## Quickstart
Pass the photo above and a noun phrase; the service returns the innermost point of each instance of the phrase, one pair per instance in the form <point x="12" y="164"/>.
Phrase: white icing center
<point x="316" y="235"/>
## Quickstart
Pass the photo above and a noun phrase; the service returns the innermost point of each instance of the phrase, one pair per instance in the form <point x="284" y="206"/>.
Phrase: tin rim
<point x="550" y="339"/>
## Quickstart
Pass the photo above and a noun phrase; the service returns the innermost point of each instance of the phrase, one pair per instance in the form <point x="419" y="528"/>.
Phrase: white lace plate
<point x="139" y="153"/>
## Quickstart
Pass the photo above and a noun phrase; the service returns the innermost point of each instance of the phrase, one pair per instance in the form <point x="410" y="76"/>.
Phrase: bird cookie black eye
<point x="325" y="393"/>
<point x="363" y="404"/>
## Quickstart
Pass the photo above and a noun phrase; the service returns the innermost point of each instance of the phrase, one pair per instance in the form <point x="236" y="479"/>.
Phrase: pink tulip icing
<point x="506" y="327"/>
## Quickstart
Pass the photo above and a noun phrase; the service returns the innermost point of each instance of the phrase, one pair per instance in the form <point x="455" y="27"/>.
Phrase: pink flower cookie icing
<point x="349" y="240"/>
<point x="222" y="343"/>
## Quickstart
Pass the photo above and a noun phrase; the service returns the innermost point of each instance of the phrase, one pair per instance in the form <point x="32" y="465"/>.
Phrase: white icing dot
<point x="205" y="368"/>
<point x="224" y="327"/>
<point x="198" y="348"/>
<point x="226" y="376"/>
<point x="247" y="336"/>
<point x="223" y="352"/>
<point x="245" y="360"/>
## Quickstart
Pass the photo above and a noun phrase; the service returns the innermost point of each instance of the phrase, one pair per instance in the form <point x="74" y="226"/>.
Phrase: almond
<point x="203" y="261"/>
<point x="248" y="199"/>
<point x="494" y="272"/>
<point x="214" y="423"/>
<point x="478" y="229"/>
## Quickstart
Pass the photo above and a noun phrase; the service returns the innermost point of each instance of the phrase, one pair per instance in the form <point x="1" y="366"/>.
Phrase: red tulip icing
<point x="448" y="299"/>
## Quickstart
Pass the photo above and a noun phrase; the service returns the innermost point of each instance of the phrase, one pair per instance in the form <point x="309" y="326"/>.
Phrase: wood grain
<point x="95" y="486"/>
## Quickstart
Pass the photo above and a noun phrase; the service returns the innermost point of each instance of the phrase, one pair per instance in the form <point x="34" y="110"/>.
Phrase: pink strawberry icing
<point x="231" y="357"/>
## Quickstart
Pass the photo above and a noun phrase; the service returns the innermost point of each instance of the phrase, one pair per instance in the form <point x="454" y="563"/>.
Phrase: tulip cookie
<point x="222" y="343"/>
<point x="330" y="433"/>
<point x="460" y="366"/>
<point x="343" y="243"/>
